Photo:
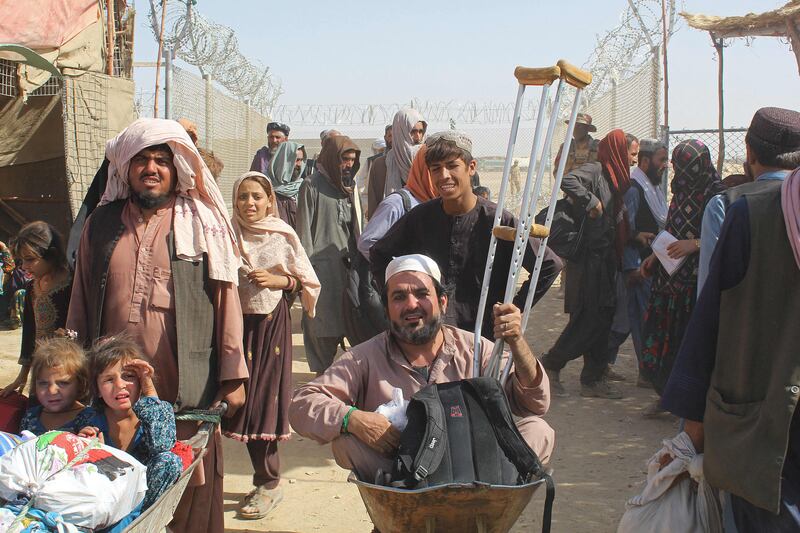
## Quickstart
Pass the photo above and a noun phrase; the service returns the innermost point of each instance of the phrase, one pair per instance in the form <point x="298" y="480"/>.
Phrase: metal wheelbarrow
<point x="463" y="508"/>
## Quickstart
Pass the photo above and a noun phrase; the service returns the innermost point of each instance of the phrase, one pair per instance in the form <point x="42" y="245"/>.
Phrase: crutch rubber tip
<point x="507" y="233"/>
<point x="573" y="75"/>
<point x="537" y="76"/>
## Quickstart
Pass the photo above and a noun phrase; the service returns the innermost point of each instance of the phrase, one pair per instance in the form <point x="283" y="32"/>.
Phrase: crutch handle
<point x="537" y="76"/>
<point x="507" y="233"/>
<point x="576" y="77"/>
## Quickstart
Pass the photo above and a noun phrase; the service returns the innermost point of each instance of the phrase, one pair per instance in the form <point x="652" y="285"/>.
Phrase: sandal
<point x="259" y="502"/>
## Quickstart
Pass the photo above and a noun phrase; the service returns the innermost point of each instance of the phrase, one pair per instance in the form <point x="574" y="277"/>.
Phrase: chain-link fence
<point x="632" y="104"/>
<point x="733" y="153"/>
<point x="226" y="125"/>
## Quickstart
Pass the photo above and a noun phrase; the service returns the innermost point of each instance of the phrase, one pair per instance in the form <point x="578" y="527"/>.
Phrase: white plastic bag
<point x="91" y="485"/>
<point x="668" y="504"/>
<point x="395" y="410"/>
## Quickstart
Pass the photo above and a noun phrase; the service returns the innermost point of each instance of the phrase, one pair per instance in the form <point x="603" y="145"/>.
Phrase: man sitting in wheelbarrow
<point x="339" y="406"/>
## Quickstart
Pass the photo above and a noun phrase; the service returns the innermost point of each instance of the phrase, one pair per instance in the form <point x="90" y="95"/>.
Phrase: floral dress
<point x="151" y="445"/>
<point x="32" y="423"/>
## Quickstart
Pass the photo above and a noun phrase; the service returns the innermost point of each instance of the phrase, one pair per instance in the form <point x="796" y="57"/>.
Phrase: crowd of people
<point x="172" y="304"/>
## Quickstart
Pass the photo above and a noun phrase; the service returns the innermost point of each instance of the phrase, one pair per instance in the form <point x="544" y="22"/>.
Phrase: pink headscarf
<point x="201" y="223"/>
<point x="790" y="203"/>
<point x="271" y="244"/>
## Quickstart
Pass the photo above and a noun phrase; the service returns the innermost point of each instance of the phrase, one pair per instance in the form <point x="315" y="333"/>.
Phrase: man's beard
<point x="150" y="201"/>
<point x="420" y="335"/>
<point x="295" y="173"/>
<point x="654" y="176"/>
<point x="347" y="178"/>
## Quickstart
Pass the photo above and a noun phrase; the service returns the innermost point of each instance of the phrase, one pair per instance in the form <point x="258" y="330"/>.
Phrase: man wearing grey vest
<point x="773" y="149"/>
<point x="736" y="380"/>
<point x="157" y="260"/>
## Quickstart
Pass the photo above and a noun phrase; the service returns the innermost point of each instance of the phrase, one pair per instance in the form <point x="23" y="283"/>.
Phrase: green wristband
<point x="346" y="419"/>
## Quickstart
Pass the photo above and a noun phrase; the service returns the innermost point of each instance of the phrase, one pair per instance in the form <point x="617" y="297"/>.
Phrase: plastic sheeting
<point x="68" y="33"/>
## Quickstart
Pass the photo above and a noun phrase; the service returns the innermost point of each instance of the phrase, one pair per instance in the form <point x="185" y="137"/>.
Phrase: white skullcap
<point x="414" y="263"/>
<point x="378" y="143"/>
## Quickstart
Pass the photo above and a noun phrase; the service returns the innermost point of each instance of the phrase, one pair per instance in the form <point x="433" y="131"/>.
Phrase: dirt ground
<point x="601" y="449"/>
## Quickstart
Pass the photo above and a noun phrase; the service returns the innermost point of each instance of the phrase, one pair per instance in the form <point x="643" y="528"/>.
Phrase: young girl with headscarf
<point x="673" y="297"/>
<point x="274" y="266"/>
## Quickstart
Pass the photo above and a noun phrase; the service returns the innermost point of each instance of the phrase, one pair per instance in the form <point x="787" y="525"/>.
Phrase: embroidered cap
<point x="459" y="138"/>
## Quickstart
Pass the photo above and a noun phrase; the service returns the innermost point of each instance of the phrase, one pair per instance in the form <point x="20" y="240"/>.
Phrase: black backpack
<point x="566" y="231"/>
<point x="463" y="432"/>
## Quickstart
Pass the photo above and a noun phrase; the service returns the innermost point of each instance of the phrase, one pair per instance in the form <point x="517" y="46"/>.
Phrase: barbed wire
<point x="618" y="55"/>
<point x="213" y="48"/>
<point x="623" y="50"/>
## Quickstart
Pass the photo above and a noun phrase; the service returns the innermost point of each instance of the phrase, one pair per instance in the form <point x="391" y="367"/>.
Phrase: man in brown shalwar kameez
<point x="158" y="260"/>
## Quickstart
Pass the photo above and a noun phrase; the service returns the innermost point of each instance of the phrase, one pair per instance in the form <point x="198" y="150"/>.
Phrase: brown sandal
<point x="259" y="502"/>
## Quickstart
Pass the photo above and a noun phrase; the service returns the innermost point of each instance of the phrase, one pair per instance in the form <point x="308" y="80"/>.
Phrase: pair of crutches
<point x="566" y="74"/>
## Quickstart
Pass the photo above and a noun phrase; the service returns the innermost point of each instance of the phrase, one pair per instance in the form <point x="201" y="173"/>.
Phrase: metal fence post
<point x="248" y="136"/>
<point x="209" y="109"/>
<point x="614" y="103"/>
<point x="655" y="70"/>
<point x="167" y="83"/>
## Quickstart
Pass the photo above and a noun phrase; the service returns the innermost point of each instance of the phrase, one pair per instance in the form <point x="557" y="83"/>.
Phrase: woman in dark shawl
<point x="673" y="297"/>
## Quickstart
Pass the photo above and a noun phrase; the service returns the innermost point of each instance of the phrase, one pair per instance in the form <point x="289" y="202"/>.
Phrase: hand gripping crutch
<point x="579" y="79"/>
<point x="543" y="77"/>
<point x="520" y="239"/>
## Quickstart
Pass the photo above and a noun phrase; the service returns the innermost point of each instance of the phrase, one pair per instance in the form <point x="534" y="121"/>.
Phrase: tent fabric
<point x="67" y="33"/>
<point x="45" y="24"/>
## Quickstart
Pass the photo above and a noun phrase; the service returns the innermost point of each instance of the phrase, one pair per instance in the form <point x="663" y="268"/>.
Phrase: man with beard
<point x="772" y="147"/>
<point x="277" y="133"/>
<point x="647" y="216"/>
<point x="158" y="261"/>
<point x="325" y="227"/>
<point x="338" y="407"/>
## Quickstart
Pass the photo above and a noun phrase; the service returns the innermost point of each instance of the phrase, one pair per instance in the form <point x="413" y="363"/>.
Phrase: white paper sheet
<point x="659" y="247"/>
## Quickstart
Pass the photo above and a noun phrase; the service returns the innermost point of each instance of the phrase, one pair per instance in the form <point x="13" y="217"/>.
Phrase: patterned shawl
<point x="696" y="181"/>
<point x="271" y="244"/>
<point x="201" y="223"/>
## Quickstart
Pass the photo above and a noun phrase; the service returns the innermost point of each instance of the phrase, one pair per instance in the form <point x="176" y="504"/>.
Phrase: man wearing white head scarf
<point x="408" y="134"/>
<point x="418" y="349"/>
<point x="158" y="260"/>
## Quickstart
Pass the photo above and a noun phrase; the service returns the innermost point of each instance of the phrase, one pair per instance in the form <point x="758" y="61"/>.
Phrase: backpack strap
<point x="434" y="442"/>
<point x="493" y="400"/>
<point x="405" y="195"/>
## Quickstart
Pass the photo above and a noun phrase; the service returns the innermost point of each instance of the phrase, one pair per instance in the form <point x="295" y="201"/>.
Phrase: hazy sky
<point x="328" y="52"/>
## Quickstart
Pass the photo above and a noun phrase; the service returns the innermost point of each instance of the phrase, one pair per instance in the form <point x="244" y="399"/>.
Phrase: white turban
<point x="414" y="263"/>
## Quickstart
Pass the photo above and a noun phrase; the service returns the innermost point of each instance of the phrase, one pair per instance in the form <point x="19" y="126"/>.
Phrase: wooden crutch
<point x="543" y="77"/>
<point x="579" y="79"/>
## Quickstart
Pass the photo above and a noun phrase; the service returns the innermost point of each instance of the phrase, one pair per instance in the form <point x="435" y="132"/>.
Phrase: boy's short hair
<point x="64" y="353"/>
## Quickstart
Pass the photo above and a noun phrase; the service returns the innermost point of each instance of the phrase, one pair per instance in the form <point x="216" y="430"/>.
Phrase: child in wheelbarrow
<point x="129" y="414"/>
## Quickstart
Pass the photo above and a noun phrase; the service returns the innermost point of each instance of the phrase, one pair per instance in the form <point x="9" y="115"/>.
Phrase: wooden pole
<point x="160" y="51"/>
<point x="719" y="45"/>
<point x="794" y="40"/>
<point x="664" y="39"/>
<point x="110" y="34"/>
